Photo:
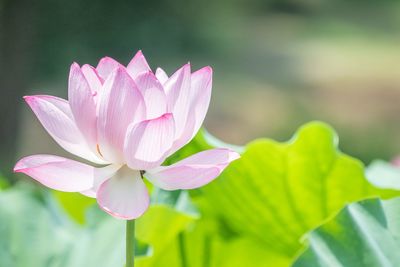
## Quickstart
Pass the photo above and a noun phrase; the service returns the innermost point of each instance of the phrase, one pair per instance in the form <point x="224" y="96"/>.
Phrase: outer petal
<point x="57" y="173"/>
<point x="161" y="75"/>
<point x="138" y="65"/>
<point x="153" y="93"/>
<point x="92" y="77"/>
<point x="147" y="143"/>
<point x="82" y="104"/>
<point x="125" y="195"/>
<point x="106" y="66"/>
<point x="121" y="104"/>
<point x="56" y="117"/>
<point x="178" y="93"/>
<point x="200" y="95"/>
<point x="100" y="176"/>
<point x="201" y="82"/>
<point x="192" y="172"/>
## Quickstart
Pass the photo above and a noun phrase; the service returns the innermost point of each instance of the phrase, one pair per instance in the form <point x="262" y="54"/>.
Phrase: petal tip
<point x="30" y="99"/>
<point x="84" y="66"/>
<point x="233" y="155"/>
<point x="27" y="97"/>
<point x="139" y="56"/>
<point x="139" y="53"/>
<point x="184" y="70"/>
<point x="208" y="69"/>
<point x="105" y="60"/>
<point x="205" y="72"/>
<point x="18" y="166"/>
<point x="74" y="71"/>
<point x="122" y="216"/>
<point x="75" y="65"/>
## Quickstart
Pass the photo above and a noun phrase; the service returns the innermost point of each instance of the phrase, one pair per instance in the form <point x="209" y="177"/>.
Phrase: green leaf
<point x="363" y="234"/>
<point x="3" y="183"/>
<point x="35" y="232"/>
<point x="202" y="245"/>
<point x="31" y="235"/>
<point x="159" y="227"/>
<point x="74" y="204"/>
<point x="197" y="144"/>
<point x="246" y="252"/>
<point x="202" y="141"/>
<point x="277" y="192"/>
<point x="178" y="200"/>
<point x="191" y="245"/>
<point x="97" y="245"/>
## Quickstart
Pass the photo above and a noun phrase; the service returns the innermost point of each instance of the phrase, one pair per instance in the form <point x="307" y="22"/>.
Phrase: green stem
<point x="130" y="243"/>
<point x="207" y="251"/>
<point x="181" y="240"/>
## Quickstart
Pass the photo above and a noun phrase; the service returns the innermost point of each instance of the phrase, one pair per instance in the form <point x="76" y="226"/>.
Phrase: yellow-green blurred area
<point x="277" y="64"/>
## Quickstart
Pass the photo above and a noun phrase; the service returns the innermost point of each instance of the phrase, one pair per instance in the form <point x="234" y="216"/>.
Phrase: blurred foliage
<point x="31" y="234"/>
<point x="3" y="183"/>
<point x="254" y="214"/>
<point x="383" y="174"/>
<point x="74" y="204"/>
<point x="363" y="234"/>
<point x="198" y="143"/>
<point x="36" y="232"/>
<point x="279" y="191"/>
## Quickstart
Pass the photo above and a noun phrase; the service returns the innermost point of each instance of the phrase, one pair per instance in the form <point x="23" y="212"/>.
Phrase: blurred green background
<point x="277" y="63"/>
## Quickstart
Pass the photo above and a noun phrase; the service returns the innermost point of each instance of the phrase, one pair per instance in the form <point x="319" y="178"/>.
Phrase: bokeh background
<point x="277" y="63"/>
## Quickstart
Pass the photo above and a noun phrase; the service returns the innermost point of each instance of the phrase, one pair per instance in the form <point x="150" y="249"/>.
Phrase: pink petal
<point x="100" y="176"/>
<point x="192" y="172"/>
<point x="148" y="142"/>
<point x="57" y="173"/>
<point x="92" y="77"/>
<point x="56" y="117"/>
<point x="178" y="93"/>
<point x="200" y="95"/>
<point x="161" y="75"/>
<point x="106" y="66"/>
<point x="120" y="104"/>
<point x="153" y="93"/>
<point x="125" y="195"/>
<point x="138" y="65"/>
<point x="82" y="105"/>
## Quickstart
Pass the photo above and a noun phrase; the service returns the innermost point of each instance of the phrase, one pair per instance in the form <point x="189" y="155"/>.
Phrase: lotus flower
<point x="128" y="120"/>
